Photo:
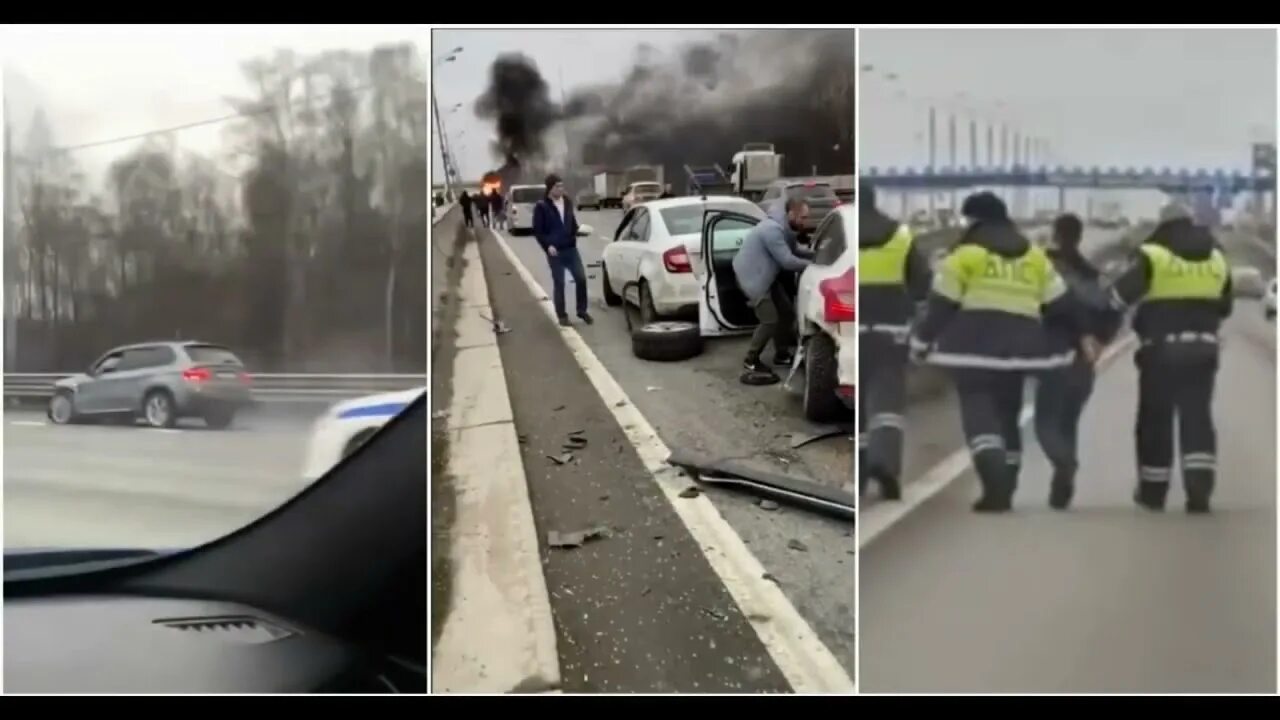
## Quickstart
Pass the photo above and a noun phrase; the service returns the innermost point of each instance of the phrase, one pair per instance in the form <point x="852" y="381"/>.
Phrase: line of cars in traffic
<point x="672" y="260"/>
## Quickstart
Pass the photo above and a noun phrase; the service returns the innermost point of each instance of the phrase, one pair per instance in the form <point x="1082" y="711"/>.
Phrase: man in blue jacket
<point x="556" y="228"/>
<point x="767" y="251"/>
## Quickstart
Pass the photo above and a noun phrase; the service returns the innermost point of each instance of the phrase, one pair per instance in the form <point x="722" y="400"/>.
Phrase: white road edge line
<point x="808" y="664"/>
<point x="28" y="423"/>
<point x="875" y="520"/>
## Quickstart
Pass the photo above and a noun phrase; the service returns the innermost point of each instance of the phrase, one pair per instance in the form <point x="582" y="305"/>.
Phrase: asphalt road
<point x="700" y="404"/>
<point x="115" y="486"/>
<point x="1105" y="598"/>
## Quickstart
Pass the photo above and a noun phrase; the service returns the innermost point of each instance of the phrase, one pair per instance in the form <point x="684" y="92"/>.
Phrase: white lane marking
<point x="29" y="423"/>
<point x="808" y="664"/>
<point x="874" y="520"/>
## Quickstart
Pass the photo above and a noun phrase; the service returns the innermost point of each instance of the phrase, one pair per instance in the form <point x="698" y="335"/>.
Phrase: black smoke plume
<point x="695" y="106"/>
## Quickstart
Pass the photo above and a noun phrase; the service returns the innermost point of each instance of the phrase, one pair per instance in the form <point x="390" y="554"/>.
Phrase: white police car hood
<point x="381" y="405"/>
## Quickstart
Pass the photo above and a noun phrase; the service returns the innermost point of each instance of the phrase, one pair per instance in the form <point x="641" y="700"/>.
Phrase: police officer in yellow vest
<point x="893" y="277"/>
<point x="1180" y="280"/>
<point x="992" y="298"/>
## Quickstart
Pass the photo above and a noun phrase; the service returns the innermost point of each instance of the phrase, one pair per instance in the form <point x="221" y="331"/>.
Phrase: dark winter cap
<point x="984" y="206"/>
<point x="551" y="181"/>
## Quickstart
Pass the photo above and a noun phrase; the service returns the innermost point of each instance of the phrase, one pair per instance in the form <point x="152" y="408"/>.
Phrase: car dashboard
<point x="136" y="644"/>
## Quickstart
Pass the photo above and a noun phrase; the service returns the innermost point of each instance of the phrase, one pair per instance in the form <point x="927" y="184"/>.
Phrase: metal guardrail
<point x="290" y="387"/>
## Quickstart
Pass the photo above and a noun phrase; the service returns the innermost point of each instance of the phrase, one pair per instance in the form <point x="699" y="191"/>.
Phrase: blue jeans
<point x="567" y="259"/>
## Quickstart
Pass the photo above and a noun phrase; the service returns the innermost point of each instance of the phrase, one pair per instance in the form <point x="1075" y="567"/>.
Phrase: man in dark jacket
<point x="464" y="200"/>
<point x="984" y="322"/>
<point x="1062" y="392"/>
<point x="893" y="277"/>
<point x="496" y="205"/>
<point x="556" y="228"/>
<point x="481" y="203"/>
<point x="1183" y="281"/>
<point x="666" y="192"/>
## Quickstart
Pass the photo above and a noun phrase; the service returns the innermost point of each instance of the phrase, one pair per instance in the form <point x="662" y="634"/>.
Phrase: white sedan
<point x="674" y="258"/>
<point x="347" y="425"/>
<point x="825" y="303"/>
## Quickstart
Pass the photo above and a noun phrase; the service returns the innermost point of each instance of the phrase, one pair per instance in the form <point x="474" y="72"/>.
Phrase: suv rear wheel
<point x="158" y="410"/>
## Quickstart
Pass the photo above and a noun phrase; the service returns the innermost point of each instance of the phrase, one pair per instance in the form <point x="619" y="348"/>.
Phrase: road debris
<point x="562" y="459"/>
<point x="651" y="388"/>
<point x="577" y="538"/>
<point x="715" y="613"/>
<point x="796" y="545"/>
<point x="771" y="578"/>
<point x="768" y="505"/>
<point x="690" y="492"/>
<point x="800" y="439"/>
<point x="557" y="408"/>
<point x="440" y="415"/>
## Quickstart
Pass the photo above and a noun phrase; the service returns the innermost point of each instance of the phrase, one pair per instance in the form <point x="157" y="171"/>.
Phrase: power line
<point x="200" y="123"/>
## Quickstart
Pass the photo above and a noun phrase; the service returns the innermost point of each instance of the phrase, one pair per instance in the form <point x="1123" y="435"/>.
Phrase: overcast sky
<point x="580" y="57"/>
<point x="1194" y="98"/>
<point x="106" y="81"/>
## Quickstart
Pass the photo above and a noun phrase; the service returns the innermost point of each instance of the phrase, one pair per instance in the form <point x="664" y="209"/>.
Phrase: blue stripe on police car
<point x="380" y="410"/>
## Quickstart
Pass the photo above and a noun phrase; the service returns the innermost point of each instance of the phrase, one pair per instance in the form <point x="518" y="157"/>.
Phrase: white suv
<point x="825" y="302"/>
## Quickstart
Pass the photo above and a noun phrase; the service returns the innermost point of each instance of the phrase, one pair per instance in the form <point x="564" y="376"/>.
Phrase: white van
<point x="520" y="202"/>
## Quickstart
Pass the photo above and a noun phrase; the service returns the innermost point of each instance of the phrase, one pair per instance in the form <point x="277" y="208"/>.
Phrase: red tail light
<point x="676" y="260"/>
<point x="196" y="375"/>
<point x="246" y="378"/>
<point x="838" y="297"/>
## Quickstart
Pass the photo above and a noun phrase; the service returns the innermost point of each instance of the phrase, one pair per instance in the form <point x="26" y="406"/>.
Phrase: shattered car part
<point x="794" y="490"/>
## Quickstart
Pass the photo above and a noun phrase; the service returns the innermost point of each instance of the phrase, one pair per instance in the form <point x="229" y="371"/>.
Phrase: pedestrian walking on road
<point x="556" y="228"/>
<point x="481" y="203"/>
<point x="496" y="204"/>
<point x="992" y="297"/>
<point x="1183" y="281"/>
<point x="464" y="200"/>
<point x="768" y="251"/>
<point x="1062" y="393"/>
<point x="893" y="278"/>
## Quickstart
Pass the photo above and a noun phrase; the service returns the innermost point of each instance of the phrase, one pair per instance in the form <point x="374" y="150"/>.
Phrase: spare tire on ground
<point x="666" y="341"/>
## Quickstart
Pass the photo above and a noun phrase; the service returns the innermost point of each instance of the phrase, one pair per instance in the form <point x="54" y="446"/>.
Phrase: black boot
<point x="1151" y="495"/>
<point x="997" y="483"/>
<point x="1062" y="488"/>
<point x="890" y="488"/>
<point x="1199" y="487"/>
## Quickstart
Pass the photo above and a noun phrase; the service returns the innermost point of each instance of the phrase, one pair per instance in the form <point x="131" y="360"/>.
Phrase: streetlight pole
<point x="450" y="170"/>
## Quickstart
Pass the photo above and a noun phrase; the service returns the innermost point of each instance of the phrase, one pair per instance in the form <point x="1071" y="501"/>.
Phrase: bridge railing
<point x="268" y="387"/>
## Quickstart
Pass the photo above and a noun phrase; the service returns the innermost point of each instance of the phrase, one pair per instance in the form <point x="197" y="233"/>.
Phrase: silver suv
<point x="159" y="382"/>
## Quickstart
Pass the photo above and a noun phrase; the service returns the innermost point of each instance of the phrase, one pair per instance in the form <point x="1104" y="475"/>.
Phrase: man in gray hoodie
<point x="769" y="248"/>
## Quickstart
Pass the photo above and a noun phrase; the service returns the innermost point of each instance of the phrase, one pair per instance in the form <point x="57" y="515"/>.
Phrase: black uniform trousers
<point x="882" y="397"/>
<point x="1061" y="395"/>
<point x="1169" y="389"/>
<point x="990" y="403"/>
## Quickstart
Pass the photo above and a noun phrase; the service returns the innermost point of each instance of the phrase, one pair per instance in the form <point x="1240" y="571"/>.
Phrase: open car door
<point x="722" y="308"/>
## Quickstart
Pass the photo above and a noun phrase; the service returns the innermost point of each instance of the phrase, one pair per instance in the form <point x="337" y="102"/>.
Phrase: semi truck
<point x="610" y="186"/>
<point x="752" y="170"/>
